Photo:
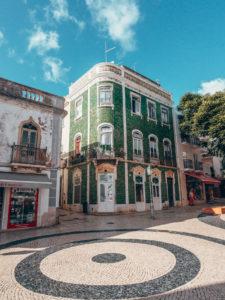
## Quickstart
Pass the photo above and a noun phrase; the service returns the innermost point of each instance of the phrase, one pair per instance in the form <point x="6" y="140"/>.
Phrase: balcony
<point x="190" y="140"/>
<point x="188" y="163"/>
<point x="104" y="152"/>
<point x="198" y="166"/>
<point x="26" y="155"/>
<point x="77" y="158"/>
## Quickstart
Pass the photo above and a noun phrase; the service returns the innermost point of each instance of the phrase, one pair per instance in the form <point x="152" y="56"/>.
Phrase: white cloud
<point x="54" y="70"/>
<point x="117" y="18"/>
<point x="2" y="38"/>
<point x="59" y="10"/>
<point x="213" y="86"/>
<point x="43" y="41"/>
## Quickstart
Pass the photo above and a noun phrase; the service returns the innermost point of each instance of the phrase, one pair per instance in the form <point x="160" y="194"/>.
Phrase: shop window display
<point x="23" y="207"/>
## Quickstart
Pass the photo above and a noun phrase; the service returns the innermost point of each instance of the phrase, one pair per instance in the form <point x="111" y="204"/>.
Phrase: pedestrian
<point x="191" y="197"/>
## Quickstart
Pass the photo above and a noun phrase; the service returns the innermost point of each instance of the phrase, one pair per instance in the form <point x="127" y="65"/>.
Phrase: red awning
<point x="203" y="178"/>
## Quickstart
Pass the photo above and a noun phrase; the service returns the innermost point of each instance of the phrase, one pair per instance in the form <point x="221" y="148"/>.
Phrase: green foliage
<point x="188" y="107"/>
<point x="204" y="116"/>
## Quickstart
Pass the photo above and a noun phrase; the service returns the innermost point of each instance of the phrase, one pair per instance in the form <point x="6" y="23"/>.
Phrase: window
<point x="155" y="187"/>
<point x="23" y="207"/>
<point x="77" y="144"/>
<point x="105" y="95"/>
<point x="29" y="135"/>
<point x="136" y="105"/>
<point x="167" y="149"/>
<point x="151" y="110"/>
<point x="139" y="188"/>
<point x="78" y="108"/>
<point x="164" y="115"/>
<point x="137" y="143"/>
<point x="106" y="135"/>
<point x="77" y="188"/>
<point x="153" y="145"/>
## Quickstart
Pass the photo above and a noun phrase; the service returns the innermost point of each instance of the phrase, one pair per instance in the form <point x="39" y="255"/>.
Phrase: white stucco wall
<point x="12" y="113"/>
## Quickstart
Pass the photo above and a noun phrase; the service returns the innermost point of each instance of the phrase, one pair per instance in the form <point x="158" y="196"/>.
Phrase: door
<point x="156" y="193"/>
<point x="1" y="204"/>
<point x="170" y="191"/>
<point x="106" y="192"/>
<point x="28" y="143"/>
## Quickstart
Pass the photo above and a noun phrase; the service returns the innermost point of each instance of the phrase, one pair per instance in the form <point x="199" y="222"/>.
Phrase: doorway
<point x="156" y="193"/>
<point x="106" y="192"/>
<point x="170" y="191"/>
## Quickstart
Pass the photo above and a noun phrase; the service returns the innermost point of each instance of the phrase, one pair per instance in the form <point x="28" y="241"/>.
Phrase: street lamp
<point x="149" y="172"/>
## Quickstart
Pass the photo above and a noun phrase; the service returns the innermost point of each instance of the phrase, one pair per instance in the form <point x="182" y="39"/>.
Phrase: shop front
<point x="20" y="198"/>
<point x="202" y="187"/>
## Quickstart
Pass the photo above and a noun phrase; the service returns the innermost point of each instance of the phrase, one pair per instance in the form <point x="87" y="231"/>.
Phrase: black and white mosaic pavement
<point x="28" y="273"/>
<point x="108" y="258"/>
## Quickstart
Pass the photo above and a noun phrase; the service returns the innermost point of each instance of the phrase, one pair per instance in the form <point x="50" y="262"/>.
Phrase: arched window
<point x="29" y="135"/>
<point x="137" y="143"/>
<point x="77" y="144"/>
<point x="106" y="135"/>
<point x="167" y="149"/>
<point x="155" y="187"/>
<point x="153" y="146"/>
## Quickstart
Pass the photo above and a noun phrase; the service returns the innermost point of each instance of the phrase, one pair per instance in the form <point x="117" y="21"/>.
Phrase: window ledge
<point x="152" y="120"/>
<point x="106" y="105"/>
<point x="165" y="125"/>
<point x="135" y="114"/>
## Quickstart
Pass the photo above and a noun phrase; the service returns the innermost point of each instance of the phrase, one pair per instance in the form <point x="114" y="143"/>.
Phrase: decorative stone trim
<point x="138" y="170"/>
<point x="106" y="168"/>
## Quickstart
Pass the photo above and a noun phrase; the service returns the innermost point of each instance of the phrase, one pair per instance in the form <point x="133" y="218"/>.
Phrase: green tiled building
<point x="118" y="138"/>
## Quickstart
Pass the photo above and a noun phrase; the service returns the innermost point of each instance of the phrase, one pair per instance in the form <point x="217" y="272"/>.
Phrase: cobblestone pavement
<point x="175" y="256"/>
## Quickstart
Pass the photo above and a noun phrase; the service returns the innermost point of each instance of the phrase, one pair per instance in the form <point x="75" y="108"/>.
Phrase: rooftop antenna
<point x="107" y="50"/>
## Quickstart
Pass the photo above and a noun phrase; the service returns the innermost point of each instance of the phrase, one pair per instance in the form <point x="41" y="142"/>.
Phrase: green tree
<point x="204" y="117"/>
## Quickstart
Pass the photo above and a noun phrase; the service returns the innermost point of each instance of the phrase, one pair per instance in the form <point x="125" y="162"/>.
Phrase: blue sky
<point x="50" y="43"/>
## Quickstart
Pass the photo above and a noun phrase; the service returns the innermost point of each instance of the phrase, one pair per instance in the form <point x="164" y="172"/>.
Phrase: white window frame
<point x="168" y="118"/>
<point x="139" y="101"/>
<point x="157" y="146"/>
<point x="171" y="151"/>
<point x="140" y="139"/>
<point x="99" y="132"/>
<point x="154" y="104"/>
<point x="102" y="86"/>
<point x="79" y="134"/>
<point x="77" y="117"/>
<point x="143" y="184"/>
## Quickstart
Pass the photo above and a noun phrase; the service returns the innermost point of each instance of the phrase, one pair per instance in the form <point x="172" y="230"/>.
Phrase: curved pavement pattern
<point x="171" y="261"/>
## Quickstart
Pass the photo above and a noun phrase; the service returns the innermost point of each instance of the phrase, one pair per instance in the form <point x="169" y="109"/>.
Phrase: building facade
<point x="119" y="124"/>
<point x="30" y="134"/>
<point x="199" y="172"/>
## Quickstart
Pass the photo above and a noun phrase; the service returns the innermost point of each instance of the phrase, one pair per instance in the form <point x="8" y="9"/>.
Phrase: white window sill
<point x="138" y="158"/>
<point x="135" y="114"/>
<point x="106" y="105"/>
<point x="165" y="125"/>
<point x="152" y="120"/>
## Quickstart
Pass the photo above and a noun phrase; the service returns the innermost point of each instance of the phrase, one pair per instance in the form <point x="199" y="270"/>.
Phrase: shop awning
<point x="203" y="178"/>
<point x="10" y="179"/>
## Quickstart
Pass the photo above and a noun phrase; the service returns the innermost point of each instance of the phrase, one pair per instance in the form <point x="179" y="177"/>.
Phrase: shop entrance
<point x="23" y="207"/>
<point x="1" y="204"/>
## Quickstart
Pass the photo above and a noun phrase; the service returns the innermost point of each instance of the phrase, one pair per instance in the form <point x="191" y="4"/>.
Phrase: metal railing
<point x="26" y="154"/>
<point x="198" y="166"/>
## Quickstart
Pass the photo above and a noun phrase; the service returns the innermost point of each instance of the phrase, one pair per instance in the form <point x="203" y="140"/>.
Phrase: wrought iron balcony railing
<point x="188" y="163"/>
<point x="25" y="154"/>
<point x="198" y="166"/>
